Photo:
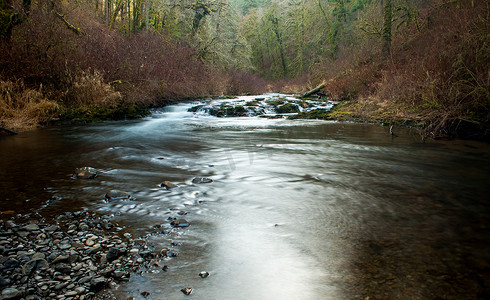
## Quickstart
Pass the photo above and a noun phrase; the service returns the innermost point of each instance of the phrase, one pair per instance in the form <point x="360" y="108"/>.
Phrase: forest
<point x="404" y="62"/>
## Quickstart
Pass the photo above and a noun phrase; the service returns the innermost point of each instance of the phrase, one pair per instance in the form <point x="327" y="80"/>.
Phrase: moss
<point x="313" y="114"/>
<point x="226" y="110"/>
<point x="104" y="113"/>
<point x="195" y="108"/>
<point x="252" y="103"/>
<point x="277" y="102"/>
<point x="287" y="108"/>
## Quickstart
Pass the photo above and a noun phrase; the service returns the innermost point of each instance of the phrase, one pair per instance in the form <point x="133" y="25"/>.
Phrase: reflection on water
<point x="297" y="209"/>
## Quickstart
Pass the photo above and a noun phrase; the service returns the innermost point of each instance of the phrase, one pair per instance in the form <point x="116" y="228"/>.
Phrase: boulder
<point x="287" y="108"/>
<point x="117" y="195"/>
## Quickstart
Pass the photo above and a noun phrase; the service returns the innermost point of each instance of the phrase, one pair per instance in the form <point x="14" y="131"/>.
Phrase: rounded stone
<point x="117" y="195"/>
<point x="199" y="180"/>
<point x="11" y="293"/>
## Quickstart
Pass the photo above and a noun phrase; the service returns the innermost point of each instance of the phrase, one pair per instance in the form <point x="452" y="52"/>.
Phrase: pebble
<point x="31" y="227"/>
<point x="58" y="263"/>
<point x="204" y="274"/>
<point x="200" y="180"/>
<point x="187" y="290"/>
<point x="168" y="185"/>
<point x="117" y="195"/>
<point x="11" y="293"/>
<point x="180" y="223"/>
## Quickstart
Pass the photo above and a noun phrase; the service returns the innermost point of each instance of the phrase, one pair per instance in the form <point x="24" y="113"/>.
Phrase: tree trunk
<point x="106" y="12"/>
<point x="387" y="24"/>
<point x="147" y="14"/>
<point x="313" y="91"/>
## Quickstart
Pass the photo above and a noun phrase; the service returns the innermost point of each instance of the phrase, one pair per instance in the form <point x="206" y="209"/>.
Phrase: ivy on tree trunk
<point x="387" y="24"/>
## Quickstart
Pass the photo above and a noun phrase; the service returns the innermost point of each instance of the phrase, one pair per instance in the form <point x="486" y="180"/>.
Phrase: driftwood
<point x="313" y="91"/>
<point x="5" y="131"/>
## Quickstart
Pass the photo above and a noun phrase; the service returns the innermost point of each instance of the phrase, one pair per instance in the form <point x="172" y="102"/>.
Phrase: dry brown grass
<point x="88" y="89"/>
<point x="23" y="108"/>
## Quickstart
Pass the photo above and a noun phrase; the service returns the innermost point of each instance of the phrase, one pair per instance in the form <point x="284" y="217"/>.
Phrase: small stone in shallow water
<point x="145" y="294"/>
<point x="187" y="290"/>
<point x="85" y="172"/>
<point x="168" y="185"/>
<point x="199" y="180"/>
<point x="204" y="274"/>
<point x="180" y="223"/>
<point x="117" y="195"/>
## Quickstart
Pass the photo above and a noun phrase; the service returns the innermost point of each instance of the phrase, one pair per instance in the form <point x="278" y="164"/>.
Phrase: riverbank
<point x="76" y="255"/>
<point x="430" y="122"/>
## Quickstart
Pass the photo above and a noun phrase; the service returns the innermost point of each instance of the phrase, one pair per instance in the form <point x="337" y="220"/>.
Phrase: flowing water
<point x="296" y="209"/>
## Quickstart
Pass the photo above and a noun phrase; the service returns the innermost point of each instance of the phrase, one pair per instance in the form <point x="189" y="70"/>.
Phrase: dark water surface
<point x="297" y="209"/>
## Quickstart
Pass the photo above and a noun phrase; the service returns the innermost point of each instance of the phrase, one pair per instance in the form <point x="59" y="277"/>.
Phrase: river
<point x="298" y="209"/>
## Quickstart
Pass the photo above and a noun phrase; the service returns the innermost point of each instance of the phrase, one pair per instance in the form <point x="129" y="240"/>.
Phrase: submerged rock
<point x="180" y="223"/>
<point x="199" y="180"/>
<point x="168" y="185"/>
<point x="85" y="173"/>
<point x="117" y="195"/>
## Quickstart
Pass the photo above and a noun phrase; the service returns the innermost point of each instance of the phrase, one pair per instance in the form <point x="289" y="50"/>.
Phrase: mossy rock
<point x="276" y="103"/>
<point x="228" y="111"/>
<point x="252" y="103"/>
<point x="313" y="114"/>
<point x="195" y="108"/>
<point x="287" y="108"/>
<point x="237" y="111"/>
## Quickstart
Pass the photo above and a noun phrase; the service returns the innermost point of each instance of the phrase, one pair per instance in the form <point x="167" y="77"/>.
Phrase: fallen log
<point x="313" y="91"/>
<point x="5" y="131"/>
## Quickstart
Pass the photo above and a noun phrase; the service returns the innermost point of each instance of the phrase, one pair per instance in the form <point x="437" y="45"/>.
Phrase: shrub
<point x="23" y="108"/>
<point x="89" y="89"/>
